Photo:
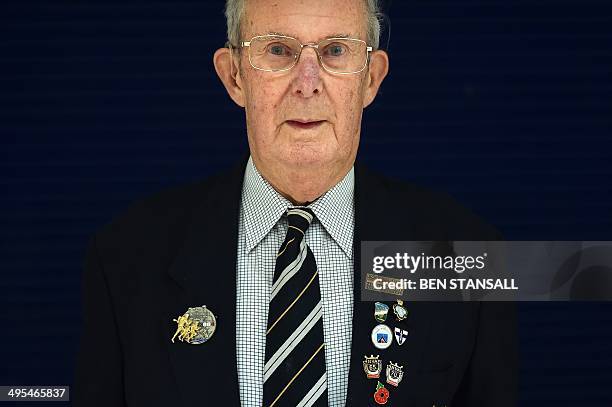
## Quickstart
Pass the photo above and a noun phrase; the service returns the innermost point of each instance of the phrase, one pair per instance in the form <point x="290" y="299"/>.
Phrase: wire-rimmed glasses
<point x="277" y="53"/>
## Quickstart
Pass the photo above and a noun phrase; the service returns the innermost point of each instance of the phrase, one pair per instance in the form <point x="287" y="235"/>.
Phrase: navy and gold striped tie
<point x="294" y="373"/>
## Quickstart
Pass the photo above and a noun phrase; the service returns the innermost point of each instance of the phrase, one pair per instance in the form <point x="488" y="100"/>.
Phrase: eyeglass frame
<point x="244" y="44"/>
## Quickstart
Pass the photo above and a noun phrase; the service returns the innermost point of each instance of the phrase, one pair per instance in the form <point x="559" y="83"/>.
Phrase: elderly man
<point x="243" y="289"/>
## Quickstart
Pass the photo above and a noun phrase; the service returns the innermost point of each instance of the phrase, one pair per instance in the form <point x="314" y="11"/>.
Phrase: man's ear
<point x="228" y="72"/>
<point x="379" y="67"/>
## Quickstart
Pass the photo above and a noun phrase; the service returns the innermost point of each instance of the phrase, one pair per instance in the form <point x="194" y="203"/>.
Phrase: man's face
<point x="275" y="100"/>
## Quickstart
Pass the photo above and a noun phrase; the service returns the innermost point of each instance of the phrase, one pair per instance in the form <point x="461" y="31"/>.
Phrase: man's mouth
<point x="305" y="125"/>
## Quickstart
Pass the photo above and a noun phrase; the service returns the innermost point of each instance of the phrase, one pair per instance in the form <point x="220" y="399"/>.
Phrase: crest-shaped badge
<point x="372" y="366"/>
<point x="400" y="335"/>
<point x="195" y="326"/>
<point x="380" y="311"/>
<point x="394" y="374"/>
<point x="400" y="311"/>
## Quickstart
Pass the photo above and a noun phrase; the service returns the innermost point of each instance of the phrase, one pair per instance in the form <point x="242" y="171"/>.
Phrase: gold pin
<point x="195" y="326"/>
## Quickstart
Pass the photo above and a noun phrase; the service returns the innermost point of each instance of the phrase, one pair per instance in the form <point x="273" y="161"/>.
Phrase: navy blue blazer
<point x="177" y="249"/>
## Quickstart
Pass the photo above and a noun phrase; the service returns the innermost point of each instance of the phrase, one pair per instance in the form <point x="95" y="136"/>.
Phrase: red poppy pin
<point x="381" y="395"/>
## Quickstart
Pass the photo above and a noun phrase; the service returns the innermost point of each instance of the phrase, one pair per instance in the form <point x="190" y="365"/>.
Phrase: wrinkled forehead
<point x="308" y="21"/>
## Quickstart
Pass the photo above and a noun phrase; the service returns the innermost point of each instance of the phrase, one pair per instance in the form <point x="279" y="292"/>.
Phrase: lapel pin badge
<point x="380" y="311"/>
<point x="400" y="311"/>
<point x="372" y="366"/>
<point x="400" y="335"/>
<point x="394" y="373"/>
<point x="382" y="337"/>
<point x="381" y="395"/>
<point x="195" y="326"/>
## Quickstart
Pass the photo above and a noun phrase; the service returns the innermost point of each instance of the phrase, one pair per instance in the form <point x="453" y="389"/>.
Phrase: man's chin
<point x="306" y="160"/>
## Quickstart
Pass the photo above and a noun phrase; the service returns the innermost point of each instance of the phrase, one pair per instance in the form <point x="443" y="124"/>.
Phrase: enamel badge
<point x="400" y="311"/>
<point x="394" y="374"/>
<point x="382" y="337"/>
<point x="372" y="366"/>
<point x="195" y="326"/>
<point x="381" y="395"/>
<point x="400" y="335"/>
<point x="380" y="311"/>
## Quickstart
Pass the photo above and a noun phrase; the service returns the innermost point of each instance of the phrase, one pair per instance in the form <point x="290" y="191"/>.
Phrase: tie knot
<point x="300" y="218"/>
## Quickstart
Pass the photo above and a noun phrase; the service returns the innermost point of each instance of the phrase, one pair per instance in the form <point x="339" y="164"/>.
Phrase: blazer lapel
<point x="205" y="274"/>
<point x="376" y="220"/>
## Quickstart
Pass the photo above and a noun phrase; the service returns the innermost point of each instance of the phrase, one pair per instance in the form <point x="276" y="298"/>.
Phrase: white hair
<point x="234" y="10"/>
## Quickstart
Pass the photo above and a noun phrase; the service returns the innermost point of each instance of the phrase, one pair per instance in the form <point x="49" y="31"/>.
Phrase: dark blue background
<point x="504" y="104"/>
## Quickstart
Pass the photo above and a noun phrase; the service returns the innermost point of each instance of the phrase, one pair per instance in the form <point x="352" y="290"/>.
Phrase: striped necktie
<point x="294" y="372"/>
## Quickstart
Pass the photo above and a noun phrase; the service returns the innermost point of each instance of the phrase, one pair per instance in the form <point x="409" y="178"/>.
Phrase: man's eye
<point x="335" y="50"/>
<point x="278" y="50"/>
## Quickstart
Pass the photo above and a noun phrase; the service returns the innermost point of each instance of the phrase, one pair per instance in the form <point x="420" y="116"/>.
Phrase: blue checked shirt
<point x="261" y="230"/>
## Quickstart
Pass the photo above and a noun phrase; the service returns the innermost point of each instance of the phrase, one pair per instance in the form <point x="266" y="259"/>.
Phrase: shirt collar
<point x="335" y="211"/>
<point x="263" y="206"/>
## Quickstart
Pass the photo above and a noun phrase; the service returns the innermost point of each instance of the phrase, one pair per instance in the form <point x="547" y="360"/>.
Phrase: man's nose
<point x="308" y="73"/>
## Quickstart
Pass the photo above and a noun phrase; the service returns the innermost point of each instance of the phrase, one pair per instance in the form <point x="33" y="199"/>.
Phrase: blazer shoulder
<point x="436" y="214"/>
<point x="165" y="214"/>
